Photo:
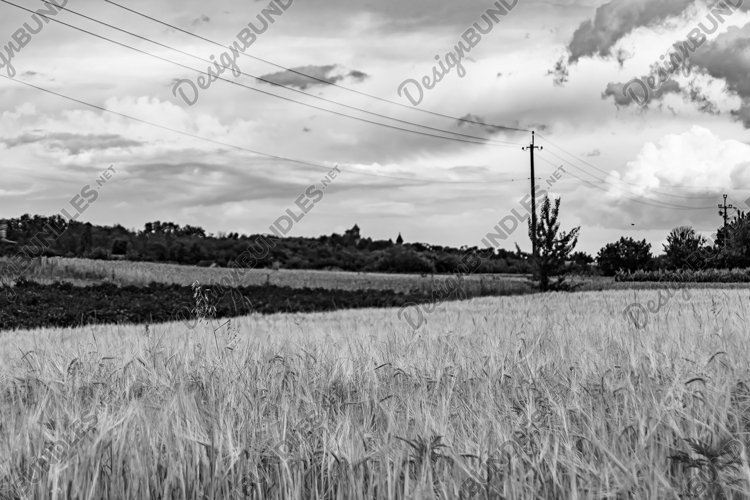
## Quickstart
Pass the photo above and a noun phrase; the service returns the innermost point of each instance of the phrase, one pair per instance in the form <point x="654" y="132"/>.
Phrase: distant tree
<point x="553" y="247"/>
<point x="399" y="240"/>
<point x="738" y="242"/>
<point x="446" y="263"/>
<point x="683" y="242"/>
<point x="119" y="247"/>
<point x="198" y="232"/>
<point x="581" y="261"/>
<point x="86" y="240"/>
<point x="380" y="245"/>
<point x="400" y="259"/>
<point x="625" y="254"/>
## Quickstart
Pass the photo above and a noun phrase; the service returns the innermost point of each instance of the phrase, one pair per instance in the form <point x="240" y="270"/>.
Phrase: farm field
<point x="36" y="305"/>
<point x="541" y="396"/>
<point x="84" y="271"/>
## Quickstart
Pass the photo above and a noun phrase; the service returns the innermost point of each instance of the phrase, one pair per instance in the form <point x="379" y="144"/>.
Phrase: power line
<point x="484" y="141"/>
<point x="604" y="181"/>
<point x="631" y="198"/>
<point x="233" y="146"/>
<point x="320" y="80"/>
<point x="578" y="158"/>
<point x="685" y="197"/>
<point x="634" y="199"/>
<point x="291" y="89"/>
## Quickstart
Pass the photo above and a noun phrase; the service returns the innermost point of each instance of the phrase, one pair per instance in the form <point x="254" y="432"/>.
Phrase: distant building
<point x="352" y="236"/>
<point x="399" y="240"/>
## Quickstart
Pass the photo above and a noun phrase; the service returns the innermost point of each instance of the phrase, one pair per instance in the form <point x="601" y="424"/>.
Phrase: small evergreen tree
<point x="553" y="247"/>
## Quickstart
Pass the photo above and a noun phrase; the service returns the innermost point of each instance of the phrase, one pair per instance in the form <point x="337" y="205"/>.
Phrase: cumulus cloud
<point x="672" y="181"/>
<point x="697" y="160"/>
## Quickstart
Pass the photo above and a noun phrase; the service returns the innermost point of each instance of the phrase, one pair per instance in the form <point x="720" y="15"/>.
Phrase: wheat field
<point x="545" y="396"/>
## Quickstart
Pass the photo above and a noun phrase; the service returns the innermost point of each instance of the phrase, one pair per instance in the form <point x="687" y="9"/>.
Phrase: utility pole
<point x="531" y="149"/>
<point x="724" y="212"/>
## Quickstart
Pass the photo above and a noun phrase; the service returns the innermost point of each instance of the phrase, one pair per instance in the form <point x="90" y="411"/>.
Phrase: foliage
<point x="625" y="254"/>
<point x="683" y="242"/>
<point x="189" y="245"/>
<point x="400" y="259"/>
<point x="688" y="276"/>
<point x="738" y="243"/>
<point x="553" y="247"/>
<point x="581" y="262"/>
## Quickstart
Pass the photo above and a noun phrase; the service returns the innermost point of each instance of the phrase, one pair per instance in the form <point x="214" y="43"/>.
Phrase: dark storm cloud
<point x="624" y="98"/>
<point x="211" y="184"/>
<point x="687" y="54"/>
<point x="727" y="58"/>
<point x="616" y="19"/>
<point x="203" y="19"/>
<point x="291" y="79"/>
<point x="743" y="114"/>
<point x="73" y="143"/>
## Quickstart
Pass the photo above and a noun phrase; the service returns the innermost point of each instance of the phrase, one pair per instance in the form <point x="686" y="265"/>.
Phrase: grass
<point x="545" y="396"/>
<point x="84" y="271"/>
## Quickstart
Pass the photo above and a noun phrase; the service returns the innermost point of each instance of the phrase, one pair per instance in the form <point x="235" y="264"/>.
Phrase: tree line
<point x="190" y="245"/>
<point x="685" y="250"/>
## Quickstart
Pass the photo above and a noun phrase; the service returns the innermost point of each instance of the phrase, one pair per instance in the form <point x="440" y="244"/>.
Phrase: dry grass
<point x="85" y="271"/>
<point x="351" y="404"/>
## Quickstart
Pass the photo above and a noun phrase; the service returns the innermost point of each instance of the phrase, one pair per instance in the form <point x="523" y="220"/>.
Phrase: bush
<point x="697" y="276"/>
<point x="97" y="253"/>
<point x="119" y="247"/>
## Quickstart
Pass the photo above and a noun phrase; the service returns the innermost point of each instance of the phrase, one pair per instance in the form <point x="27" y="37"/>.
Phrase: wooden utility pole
<point x="724" y="212"/>
<point x="531" y="149"/>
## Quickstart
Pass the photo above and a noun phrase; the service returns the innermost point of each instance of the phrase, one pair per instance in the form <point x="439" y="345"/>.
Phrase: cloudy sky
<point x="560" y="68"/>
